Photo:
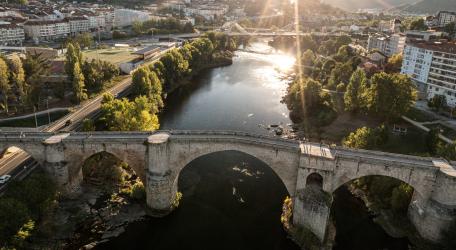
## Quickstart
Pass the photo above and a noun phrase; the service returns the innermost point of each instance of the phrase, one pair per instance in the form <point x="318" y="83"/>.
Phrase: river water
<point x="231" y="200"/>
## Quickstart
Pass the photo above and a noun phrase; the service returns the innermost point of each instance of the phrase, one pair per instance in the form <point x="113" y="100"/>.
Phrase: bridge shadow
<point x="231" y="200"/>
<point x="364" y="207"/>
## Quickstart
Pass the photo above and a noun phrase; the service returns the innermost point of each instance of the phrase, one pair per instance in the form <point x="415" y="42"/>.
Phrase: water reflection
<point x="244" y="96"/>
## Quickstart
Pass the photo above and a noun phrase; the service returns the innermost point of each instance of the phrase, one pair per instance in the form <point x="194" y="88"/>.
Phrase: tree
<point x="353" y="94"/>
<point x="450" y="29"/>
<point x="88" y="125"/>
<point x="366" y="138"/>
<point x="17" y="78"/>
<point x="418" y="24"/>
<point x="125" y="115"/>
<point x="5" y="87"/>
<point x="175" y="67"/>
<point x="85" y="40"/>
<point x="305" y="98"/>
<point x="308" y="58"/>
<point x="437" y="102"/>
<point x="97" y="73"/>
<point x="394" y="64"/>
<point x="79" y="90"/>
<point x="400" y="198"/>
<point x="13" y="214"/>
<point x="448" y="239"/>
<point x="389" y="95"/>
<point x="432" y="140"/>
<point x="73" y="56"/>
<point x="147" y="83"/>
<point x="340" y="73"/>
<point x="35" y="67"/>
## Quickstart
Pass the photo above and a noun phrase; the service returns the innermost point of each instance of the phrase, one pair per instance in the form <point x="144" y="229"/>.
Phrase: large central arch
<point x="284" y="162"/>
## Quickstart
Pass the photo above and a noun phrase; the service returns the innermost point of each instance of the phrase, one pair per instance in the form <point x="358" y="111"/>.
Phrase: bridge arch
<point x="283" y="161"/>
<point x="37" y="152"/>
<point x="75" y="158"/>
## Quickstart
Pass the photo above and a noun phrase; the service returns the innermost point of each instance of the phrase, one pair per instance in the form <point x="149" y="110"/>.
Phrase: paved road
<point x="89" y="109"/>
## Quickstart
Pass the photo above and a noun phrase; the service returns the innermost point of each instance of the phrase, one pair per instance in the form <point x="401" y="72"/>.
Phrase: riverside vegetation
<point x="329" y="84"/>
<point x="151" y="82"/>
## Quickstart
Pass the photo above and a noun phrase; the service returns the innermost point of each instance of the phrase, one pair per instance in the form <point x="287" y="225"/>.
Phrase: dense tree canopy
<point x="125" y="115"/>
<point x="389" y="95"/>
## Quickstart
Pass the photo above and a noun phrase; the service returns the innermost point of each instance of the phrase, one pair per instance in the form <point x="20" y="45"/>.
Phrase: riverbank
<point x="394" y="225"/>
<point x="221" y="59"/>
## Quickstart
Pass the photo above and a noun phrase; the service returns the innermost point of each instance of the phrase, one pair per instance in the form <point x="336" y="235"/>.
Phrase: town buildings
<point x="432" y="66"/>
<point x="11" y="34"/>
<point x="445" y="17"/>
<point x="387" y="44"/>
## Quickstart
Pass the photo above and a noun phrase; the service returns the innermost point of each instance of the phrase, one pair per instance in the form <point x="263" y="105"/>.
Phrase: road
<point x="14" y="164"/>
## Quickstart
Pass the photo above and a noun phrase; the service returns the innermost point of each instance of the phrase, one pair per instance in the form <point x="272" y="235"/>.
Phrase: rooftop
<point x="441" y="46"/>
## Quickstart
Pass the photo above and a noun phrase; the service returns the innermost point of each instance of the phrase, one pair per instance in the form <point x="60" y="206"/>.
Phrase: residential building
<point x="126" y="17"/>
<point x="396" y="25"/>
<point x="387" y="44"/>
<point x="423" y="35"/>
<point x="11" y="34"/>
<point x="432" y="66"/>
<point x="446" y="17"/>
<point x="39" y="30"/>
<point x="78" y="24"/>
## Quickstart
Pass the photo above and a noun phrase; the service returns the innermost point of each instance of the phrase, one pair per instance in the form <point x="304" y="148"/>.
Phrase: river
<point x="231" y="200"/>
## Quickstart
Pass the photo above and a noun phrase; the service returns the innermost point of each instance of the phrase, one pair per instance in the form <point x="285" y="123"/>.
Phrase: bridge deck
<point x="310" y="149"/>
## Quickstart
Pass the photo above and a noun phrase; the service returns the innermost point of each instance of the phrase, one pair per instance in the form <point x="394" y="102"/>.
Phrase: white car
<point x="4" y="178"/>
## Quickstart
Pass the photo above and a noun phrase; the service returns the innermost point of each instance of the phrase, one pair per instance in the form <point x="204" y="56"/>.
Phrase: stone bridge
<point x="310" y="172"/>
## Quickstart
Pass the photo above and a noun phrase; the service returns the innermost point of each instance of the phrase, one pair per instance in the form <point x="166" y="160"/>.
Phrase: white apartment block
<point x="126" y="17"/>
<point x="208" y="11"/>
<point x="11" y="34"/>
<point x="432" y="66"/>
<point x="78" y="24"/>
<point x="446" y="17"/>
<point x="39" y="30"/>
<point x="388" y="45"/>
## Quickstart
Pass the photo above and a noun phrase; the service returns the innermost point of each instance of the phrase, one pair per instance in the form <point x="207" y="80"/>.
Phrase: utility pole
<point x="47" y="107"/>
<point x="36" y="121"/>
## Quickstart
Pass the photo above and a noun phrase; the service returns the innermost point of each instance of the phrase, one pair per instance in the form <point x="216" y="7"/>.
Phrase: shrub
<point x="340" y="87"/>
<point x="138" y="191"/>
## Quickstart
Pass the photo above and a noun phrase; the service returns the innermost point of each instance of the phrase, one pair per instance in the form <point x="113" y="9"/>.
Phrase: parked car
<point x="4" y="178"/>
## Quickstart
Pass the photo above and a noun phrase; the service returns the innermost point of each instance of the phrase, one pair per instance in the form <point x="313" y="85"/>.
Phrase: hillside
<point x="431" y="6"/>
<point x="353" y="5"/>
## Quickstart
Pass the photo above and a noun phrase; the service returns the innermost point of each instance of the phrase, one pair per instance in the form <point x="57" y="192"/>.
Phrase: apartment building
<point x="432" y="66"/>
<point x="387" y="44"/>
<point x="11" y="34"/>
<point x="45" y="30"/>
<point x="126" y="17"/>
<point x="445" y="17"/>
<point x="78" y="24"/>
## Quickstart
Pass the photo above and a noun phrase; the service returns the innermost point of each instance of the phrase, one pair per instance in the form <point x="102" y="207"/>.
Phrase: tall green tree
<point x="79" y="90"/>
<point x="125" y="115"/>
<point x="5" y="87"/>
<point x="35" y="67"/>
<point x="390" y="95"/>
<point x="418" y="24"/>
<point x="73" y="56"/>
<point x="353" y="94"/>
<point x="450" y="29"/>
<point x="17" y="78"/>
<point x="341" y="73"/>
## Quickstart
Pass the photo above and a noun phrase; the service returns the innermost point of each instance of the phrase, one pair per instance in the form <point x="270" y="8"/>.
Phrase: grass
<point x="412" y="143"/>
<point x="444" y="130"/>
<point x="115" y="56"/>
<point x="419" y="116"/>
<point x="30" y="121"/>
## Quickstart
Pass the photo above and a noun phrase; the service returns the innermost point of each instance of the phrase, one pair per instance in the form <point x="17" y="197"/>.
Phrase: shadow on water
<point x="356" y="229"/>
<point x="230" y="201"/>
